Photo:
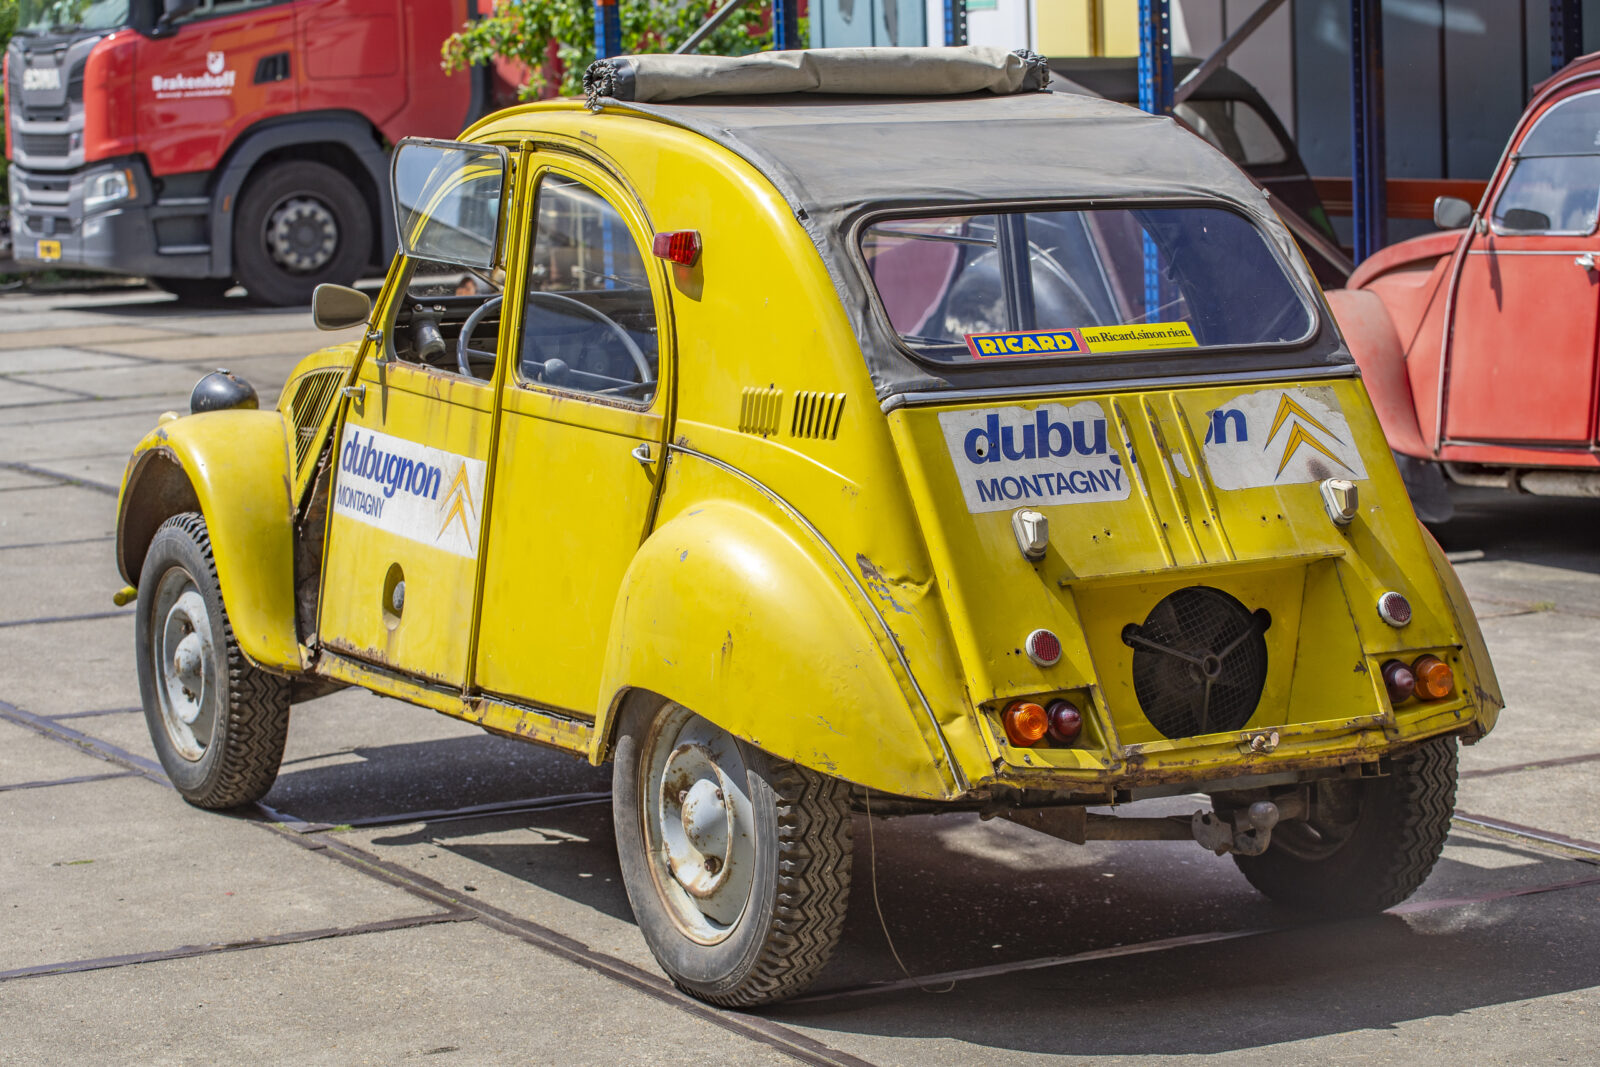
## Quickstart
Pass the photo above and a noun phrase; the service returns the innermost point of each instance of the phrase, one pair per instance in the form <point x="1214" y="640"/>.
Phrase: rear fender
<point x="1485" y="684"/>
<point x="1373" y="340"/>
<point x="232" y="467"/>
<point x="736" y="615"/>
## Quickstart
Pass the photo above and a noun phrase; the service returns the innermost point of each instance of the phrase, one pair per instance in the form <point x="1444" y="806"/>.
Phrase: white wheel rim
<point x="302" y="234"/>
<point x="698" y="823"/>
<point x="185" y="664"/>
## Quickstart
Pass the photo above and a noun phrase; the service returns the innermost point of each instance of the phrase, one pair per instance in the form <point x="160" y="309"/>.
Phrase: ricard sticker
<point x="1280" y="437"/>
<point x="1014" y="457"/>
<point x="422" y="494"/>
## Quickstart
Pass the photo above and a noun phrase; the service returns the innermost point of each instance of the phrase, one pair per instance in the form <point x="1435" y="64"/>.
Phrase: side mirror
<point x="1451" y="213"/>
<point x="172" y="11"/>
<point x="338" y="307"/>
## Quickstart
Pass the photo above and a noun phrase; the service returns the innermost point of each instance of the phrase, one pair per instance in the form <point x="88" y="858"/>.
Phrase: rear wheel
<point x="217" y="722"/>
<point x="1367" y="843"/>
<point x="299" y="224"/>
<point x="737" y="864"/>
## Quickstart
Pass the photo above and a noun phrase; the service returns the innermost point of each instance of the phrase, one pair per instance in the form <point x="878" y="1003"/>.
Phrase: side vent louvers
<point x="760" y="410"/>
<point x="817" y="415"/>
<point x="311" y="400"/>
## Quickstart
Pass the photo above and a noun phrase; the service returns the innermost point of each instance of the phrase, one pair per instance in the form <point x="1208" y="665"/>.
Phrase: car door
<point x="1521" y="362"/>
<point x="405" y="524"/>
<point x="583" y="423"/>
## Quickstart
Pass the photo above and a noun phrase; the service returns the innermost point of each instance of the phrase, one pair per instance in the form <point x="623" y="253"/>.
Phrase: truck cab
<point x="200" y="142"/>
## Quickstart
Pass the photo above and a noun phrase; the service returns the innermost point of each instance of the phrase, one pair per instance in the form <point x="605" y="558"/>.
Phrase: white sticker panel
<point x="422" y="494"/>
<point x="1280" y="437"/>
<point x="1017" y="457"/>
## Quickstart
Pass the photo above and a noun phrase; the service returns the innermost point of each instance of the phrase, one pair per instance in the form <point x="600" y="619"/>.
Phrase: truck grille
<point x="43" y="144"/>
<point x="1199" y="662"/>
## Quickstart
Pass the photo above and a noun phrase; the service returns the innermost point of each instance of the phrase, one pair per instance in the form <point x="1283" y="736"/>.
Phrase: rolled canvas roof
<point x="837" y="158"/>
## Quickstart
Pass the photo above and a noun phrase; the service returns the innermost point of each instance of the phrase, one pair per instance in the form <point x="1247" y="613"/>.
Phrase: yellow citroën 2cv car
<point x="823" y="432"/>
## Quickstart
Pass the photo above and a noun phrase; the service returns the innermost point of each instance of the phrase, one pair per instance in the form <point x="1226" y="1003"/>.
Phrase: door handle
<point x="642" y="454"/>
<point x="1586" y="261"/>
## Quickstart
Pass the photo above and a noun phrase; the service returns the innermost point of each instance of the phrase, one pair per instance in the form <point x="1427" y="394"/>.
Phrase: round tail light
<point x="1025" y="723"/>
<point x="1435" y="679"/>
<point x="1399" y="681"/>
<point x="1065" y="722"/>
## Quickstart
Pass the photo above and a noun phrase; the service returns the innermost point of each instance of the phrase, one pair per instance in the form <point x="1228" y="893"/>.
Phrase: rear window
<point x="1081" y="282"/>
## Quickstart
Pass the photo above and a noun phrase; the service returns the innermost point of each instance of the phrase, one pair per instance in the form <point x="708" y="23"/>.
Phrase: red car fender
<point x="1373" y="340"/>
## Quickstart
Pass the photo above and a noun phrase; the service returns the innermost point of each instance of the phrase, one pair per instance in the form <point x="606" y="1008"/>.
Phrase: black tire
<point x="299" y="224"/>
<point x="243" y="711"/>
<point x="1373" y="855"/>
<point x="795" y="909"/>
<point x="197" y="292"/>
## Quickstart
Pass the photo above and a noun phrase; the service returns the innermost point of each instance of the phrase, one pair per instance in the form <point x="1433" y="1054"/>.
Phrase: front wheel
<point x="217" y="722"/>
<point x="1367" y="843"/>
<point x="737" y="864"/>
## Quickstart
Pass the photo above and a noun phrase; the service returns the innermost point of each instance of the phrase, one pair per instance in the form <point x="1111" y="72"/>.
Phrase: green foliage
<point x="525" y="30"/>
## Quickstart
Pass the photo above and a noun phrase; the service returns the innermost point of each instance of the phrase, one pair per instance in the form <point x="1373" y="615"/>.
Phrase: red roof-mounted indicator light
<point x="677" y="246"/>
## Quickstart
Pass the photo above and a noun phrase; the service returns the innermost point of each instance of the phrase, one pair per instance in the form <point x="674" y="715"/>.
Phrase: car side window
<point x="1554" y="187"/>
<point x="589" y="318"/>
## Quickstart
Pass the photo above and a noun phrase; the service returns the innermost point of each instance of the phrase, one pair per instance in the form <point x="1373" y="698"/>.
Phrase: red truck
<point x="199" y="142"/>
<point x="1479" y="344"/>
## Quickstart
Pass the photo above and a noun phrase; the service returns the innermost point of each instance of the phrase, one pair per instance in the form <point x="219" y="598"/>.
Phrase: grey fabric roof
<point x="837" y="158"/>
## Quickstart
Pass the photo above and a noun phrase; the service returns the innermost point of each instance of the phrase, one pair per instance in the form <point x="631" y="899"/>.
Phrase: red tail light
<point x="1399" y="681"/>
<point x="1435" y="679"/>
<point x="1025" y="723"/>
<point x="677" y="246"/>
<point x="1065" y="722"/>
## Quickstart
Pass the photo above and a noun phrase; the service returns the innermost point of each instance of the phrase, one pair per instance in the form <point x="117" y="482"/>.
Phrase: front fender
<point x="728" y="613"/>
<point x="234" y="468"/>
<point x="1364" y="320"/>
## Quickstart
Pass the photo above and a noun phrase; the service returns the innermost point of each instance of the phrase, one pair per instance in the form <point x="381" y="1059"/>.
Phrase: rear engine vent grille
<point x="760" y="410"/>
<point x="1199" y="662"/>
<point x="817" y="415"/>
<point x="312" y="398"/>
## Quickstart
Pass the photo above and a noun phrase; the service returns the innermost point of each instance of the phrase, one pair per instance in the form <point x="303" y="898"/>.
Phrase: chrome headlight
<point x="106" y="189"/>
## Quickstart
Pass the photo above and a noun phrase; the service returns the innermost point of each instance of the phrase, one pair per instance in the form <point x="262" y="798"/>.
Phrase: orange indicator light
<point x="1435" y="679"/>
<point x="1025" y="723"/>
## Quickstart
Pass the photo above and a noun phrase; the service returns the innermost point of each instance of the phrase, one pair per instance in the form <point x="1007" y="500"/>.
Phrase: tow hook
<point x="1246" y="831"/>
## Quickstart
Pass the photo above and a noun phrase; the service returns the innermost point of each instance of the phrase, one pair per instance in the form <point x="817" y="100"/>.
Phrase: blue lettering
<point x="1049" y="432"/>
<point x="989" y="490"/>
<point x="1008" y="447"/>
<point x="1218" y="430"/>
<point x="1080" y="438"/>
<point x="1010" y="488"/>
<point x="982" y="444"/>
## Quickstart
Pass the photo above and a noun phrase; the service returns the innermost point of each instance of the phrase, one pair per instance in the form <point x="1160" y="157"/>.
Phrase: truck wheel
<point x="217" y="722"/>
<point x="737" y="864"/>
<point x="299" y="224"/>
<point x="1369" y="843"/>
<point x="199" y="292"/>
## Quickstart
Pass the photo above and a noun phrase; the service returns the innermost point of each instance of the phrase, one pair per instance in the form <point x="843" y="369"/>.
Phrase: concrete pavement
<point x="374" y="920"/>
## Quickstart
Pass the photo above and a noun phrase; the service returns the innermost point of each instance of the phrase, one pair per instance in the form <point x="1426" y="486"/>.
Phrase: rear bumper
<point x="135" y="236"/>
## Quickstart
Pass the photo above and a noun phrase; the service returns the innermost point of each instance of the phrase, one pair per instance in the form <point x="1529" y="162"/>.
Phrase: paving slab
<point x="27" y="756"/>
<point x="64" y="512"/>
<point x="1565" y="800"/>
<point x="16" y="393"/>
<point x="69" y="666"/>
<point x="457" y="993"/>
<point x="120" y="866"/>
<point x="55" y="359"/>
<point x="133" y="380"/>
<point x="12" y="337"/>
<point x="58" y="580"/>
<point x="210" y="347"/>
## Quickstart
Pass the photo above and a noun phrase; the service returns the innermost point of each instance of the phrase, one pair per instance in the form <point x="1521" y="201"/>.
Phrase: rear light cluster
<point x="1027" y="723"/>
<point x="1427" y="678"/>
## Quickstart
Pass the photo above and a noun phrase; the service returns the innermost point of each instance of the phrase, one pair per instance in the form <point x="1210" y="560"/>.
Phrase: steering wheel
<point x="616" y="329"/>
<point x="463" y="349"/>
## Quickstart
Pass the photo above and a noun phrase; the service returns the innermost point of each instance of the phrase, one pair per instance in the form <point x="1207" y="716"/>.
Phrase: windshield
<point x="47" y="16"/>
<point x="1081" y="282"/>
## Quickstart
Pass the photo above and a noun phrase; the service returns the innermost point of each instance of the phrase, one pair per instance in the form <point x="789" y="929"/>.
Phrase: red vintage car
<point x="1478" y="344"/>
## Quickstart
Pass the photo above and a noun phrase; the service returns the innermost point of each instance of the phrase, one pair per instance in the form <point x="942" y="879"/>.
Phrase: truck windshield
<point x="54" y="16"/>
<point x="1082" y="282"/>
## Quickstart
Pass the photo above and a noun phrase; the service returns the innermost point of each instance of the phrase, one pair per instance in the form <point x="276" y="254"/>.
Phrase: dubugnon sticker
<point x="1050" y="454"/>
<point x="422" y="494"/>
<point x="1030" y="343"/>
<point x="1280" y="437"/>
